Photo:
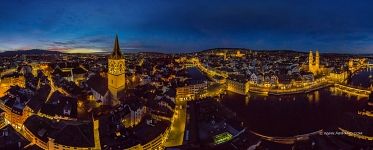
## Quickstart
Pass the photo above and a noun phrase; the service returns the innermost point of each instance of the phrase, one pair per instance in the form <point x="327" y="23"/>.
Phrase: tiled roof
<point x="75" y="134"/>
<point x="98" y="83"/>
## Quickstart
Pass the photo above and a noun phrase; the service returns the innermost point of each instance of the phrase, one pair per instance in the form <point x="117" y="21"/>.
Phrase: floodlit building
<point x="254" y="78"/>
<point x="314" y="64"/>
<point x="190" y="90"/>
<point x="238" y="84"/>
<point x="14" y="106"/>
<point x="13" y="79"/>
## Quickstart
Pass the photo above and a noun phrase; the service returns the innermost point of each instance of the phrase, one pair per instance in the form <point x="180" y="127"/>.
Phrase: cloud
<point x="187" y="25"/>
<point x="84" y="50"/>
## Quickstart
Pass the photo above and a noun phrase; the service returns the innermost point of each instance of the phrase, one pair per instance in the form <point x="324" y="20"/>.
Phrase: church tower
<point x="310" y="60"/>
<point x="317" y="61"/>
<point x="116" y="73"/>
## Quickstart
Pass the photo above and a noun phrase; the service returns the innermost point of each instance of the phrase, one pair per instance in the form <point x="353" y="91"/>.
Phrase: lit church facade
<point x="314" y="64"/>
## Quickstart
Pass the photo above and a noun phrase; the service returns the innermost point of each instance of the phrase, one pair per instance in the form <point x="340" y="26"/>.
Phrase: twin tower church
<point x="314" y="63"/>
<point x="111" y="90"/>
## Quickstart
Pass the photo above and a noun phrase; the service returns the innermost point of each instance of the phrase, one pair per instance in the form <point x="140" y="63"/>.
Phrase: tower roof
<point x="116" y="54"/>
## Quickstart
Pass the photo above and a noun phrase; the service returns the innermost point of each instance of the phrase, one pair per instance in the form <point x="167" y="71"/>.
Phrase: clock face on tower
<point x="116" y="67"/>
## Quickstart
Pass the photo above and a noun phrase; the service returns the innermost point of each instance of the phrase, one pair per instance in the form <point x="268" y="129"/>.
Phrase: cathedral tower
<point x="116" y="73"/>
<point x="317" y="61"/>
<point x="310" y="60"/>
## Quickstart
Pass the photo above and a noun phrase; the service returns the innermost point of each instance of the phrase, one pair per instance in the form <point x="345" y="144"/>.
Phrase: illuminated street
<point x="176" y="135"/>
<point x="3" y="89"/>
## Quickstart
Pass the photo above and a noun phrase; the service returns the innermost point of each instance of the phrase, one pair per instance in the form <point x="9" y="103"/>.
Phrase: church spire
<point x="116" y="50"/>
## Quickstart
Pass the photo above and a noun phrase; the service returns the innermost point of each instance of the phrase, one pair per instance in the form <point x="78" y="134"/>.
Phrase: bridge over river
<point x="359" y="83"/>
<point x="288" y="140"/>
<point x="353" y="90"/>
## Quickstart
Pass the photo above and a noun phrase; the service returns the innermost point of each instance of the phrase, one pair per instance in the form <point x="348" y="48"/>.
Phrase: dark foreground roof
<point x="128" y="137"/>
<point x="98" y="83"/>
<point x="57" y="103"/>
<point x="76" y="134"/>
<point x="37" y="101"/>
<point x="12" y="139"/>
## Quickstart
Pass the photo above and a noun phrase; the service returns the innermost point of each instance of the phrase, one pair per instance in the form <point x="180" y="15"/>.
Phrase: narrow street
<point x="176" y="135"/>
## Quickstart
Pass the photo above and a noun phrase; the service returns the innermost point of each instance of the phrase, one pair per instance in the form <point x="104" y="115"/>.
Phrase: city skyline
<point x="186" y="26"/>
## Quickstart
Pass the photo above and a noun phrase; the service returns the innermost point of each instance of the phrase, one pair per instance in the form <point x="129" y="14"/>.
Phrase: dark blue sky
<point x="187" y="25"/>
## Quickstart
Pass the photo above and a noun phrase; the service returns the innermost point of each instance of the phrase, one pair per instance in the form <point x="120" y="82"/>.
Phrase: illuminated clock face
<point x="121" y="67"/>
<point x="116" y="66"/>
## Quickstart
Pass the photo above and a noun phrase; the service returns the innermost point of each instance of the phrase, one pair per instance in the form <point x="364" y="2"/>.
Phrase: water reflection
<point x="310" y="97"/>
<point x="317" y="97"/>
<point x="313" y="97"/>
<point x="247" y="99"/>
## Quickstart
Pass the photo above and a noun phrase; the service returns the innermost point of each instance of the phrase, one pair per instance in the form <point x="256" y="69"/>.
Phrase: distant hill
<point x="246" y="49"/>
<point x="282" y="51"/>
<point x="152" y="53"/>
<point x="288" y="51"/>
<point x="28" y="52"/>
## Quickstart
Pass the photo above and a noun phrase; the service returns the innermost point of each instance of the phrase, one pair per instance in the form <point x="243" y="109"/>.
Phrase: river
<point x="289" y="115"/>
<point x="363" y="78"/>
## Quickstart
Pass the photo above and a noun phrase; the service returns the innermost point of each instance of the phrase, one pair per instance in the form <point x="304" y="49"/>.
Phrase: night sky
<point x="187" y="25"/>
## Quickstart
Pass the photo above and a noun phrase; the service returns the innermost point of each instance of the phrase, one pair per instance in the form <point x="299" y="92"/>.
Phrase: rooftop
<point x="10" y="139"/>
<point x="77" y="134"/>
